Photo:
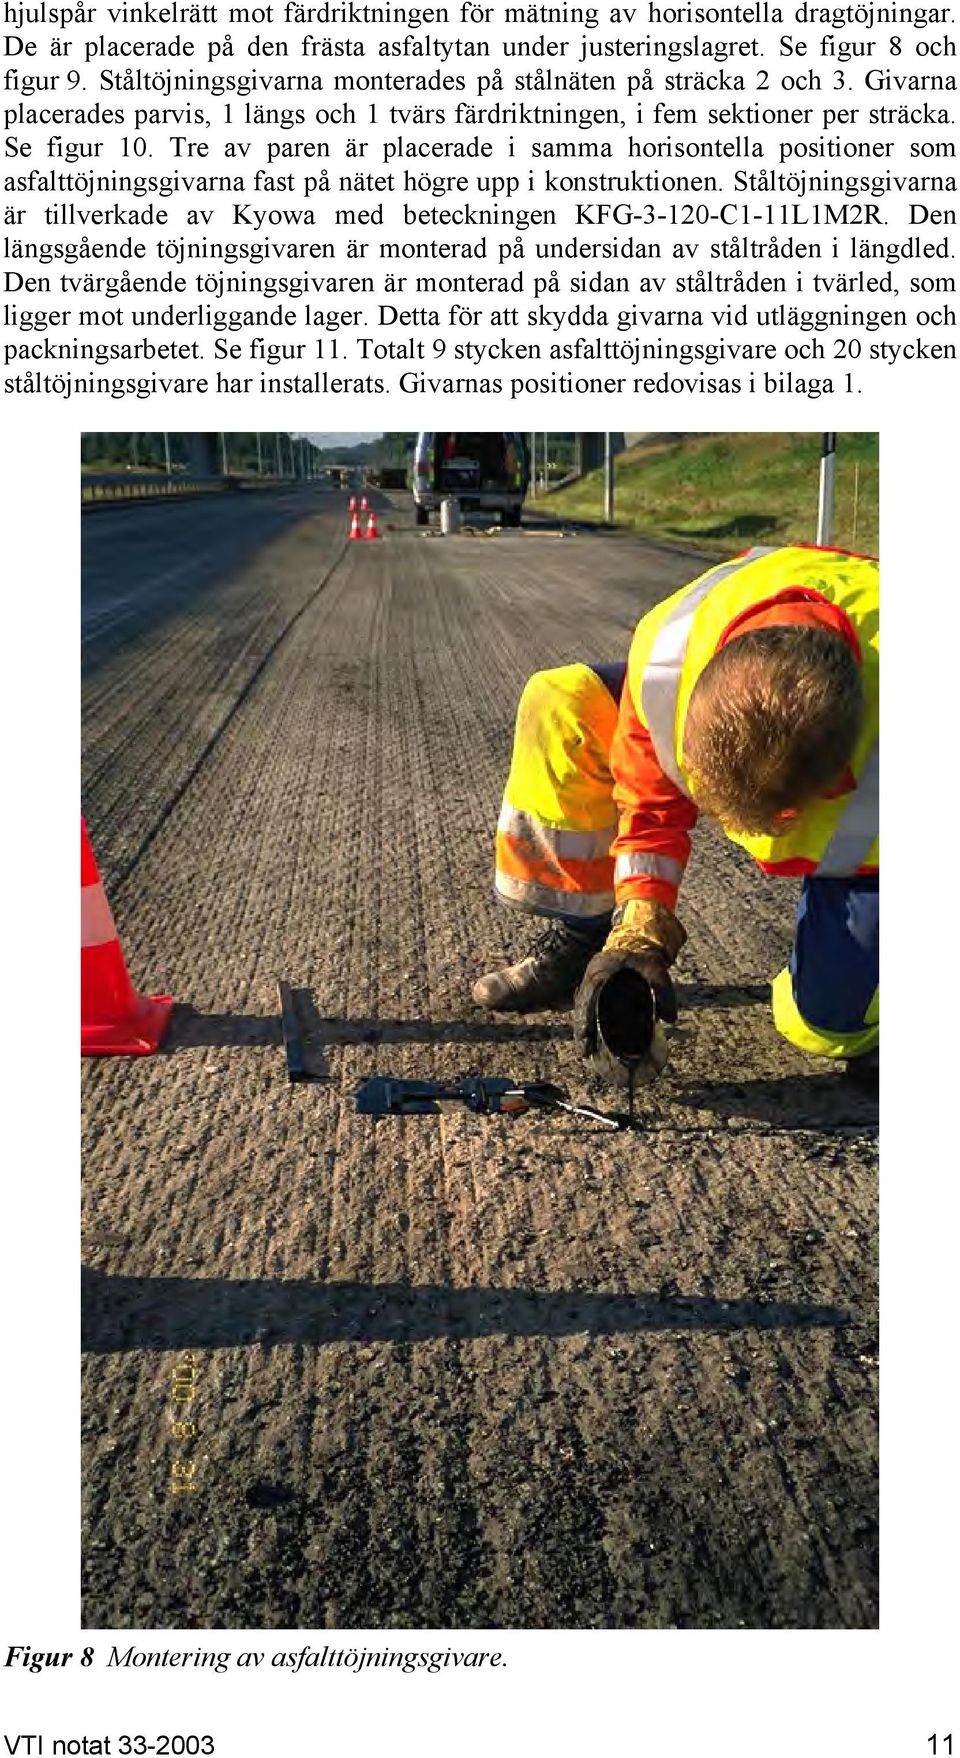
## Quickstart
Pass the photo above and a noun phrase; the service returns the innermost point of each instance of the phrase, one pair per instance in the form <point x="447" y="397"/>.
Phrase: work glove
<point x="644" y="939"/>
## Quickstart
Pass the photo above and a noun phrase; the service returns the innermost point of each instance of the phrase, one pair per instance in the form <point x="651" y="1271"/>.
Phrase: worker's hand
<point x="606" y="964"/>
<point x="649" y="962"/>
<point x="652" y="935"/>
<point x="644" y="940"/>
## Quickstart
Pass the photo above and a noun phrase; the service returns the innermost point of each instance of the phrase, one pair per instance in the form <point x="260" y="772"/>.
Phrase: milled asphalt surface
<point x="440" y="1372"/>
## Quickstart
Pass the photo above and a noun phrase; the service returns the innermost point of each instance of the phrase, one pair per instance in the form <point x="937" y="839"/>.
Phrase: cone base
<point x="139" y="1033"/>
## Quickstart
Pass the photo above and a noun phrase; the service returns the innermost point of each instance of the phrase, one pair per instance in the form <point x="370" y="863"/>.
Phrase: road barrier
<point x="108" y="488"/>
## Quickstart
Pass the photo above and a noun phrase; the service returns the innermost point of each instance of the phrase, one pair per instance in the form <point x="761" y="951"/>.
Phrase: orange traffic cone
<point x="363" y="504"/>
<point x="371" y="530"/>
<point x="114" y="1019"/>
<point x="355" y="530"/>
<point x="353" y="504"/>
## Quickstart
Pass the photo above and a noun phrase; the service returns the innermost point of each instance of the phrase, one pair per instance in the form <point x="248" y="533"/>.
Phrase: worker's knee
<point x="565" y="711"/>
<point x="827" y="1000"/>
<point x="563" y="690"/>
<point x="540" y="695"/>
<point x="839" y="1028"/>
<point x="833" y="1001"/>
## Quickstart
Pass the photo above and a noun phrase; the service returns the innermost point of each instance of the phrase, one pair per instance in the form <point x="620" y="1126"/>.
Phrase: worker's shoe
<point x="864" y="1072"/>
<point x="549" y="975"/>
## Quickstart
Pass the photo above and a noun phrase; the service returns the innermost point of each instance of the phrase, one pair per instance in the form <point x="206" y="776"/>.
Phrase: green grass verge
<point x="721" y="492"/>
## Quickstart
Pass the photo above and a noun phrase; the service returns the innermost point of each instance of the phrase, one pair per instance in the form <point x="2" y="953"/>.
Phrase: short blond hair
<point x="772" y="720"/>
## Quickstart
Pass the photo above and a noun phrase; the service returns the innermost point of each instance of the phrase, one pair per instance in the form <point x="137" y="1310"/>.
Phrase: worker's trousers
<point x="559" y="819"/>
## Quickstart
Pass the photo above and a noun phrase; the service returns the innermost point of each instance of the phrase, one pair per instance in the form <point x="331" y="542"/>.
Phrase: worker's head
<point x="772" y="722"/>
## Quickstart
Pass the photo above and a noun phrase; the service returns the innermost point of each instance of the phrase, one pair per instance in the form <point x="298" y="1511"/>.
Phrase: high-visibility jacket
<point x="834" y="835"/>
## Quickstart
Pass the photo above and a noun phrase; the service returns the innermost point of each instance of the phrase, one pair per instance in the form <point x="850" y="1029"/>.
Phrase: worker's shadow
<point x="819" y="1102"/>
<point x="185" y="1312"/>
<point x="696" y="995"/>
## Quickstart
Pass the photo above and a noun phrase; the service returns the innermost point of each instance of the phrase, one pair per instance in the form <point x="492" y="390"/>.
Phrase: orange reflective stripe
<point x="521" y="862"/>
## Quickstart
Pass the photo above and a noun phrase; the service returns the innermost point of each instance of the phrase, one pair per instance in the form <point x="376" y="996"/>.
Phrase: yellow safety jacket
<point x="676" y="640"/>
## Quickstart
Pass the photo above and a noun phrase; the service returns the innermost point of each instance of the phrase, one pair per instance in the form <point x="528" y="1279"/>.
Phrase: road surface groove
<point x="452" y="1372"/>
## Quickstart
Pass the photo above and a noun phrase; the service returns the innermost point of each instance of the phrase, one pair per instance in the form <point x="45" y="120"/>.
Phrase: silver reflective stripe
<point x="660" y="686"/>
<point x="96" y="922"/>
<point x="858" y="827"/>
<point x="546" y="900"/>
<point x="648" y="866"/>
<point x="558" y="845"/>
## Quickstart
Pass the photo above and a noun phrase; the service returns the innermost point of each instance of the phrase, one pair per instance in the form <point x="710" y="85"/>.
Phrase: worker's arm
<point x="651" y="849"/>
<point x="652" y="846"/>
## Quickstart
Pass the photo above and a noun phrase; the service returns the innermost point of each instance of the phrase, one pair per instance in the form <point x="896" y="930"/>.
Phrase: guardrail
<point x="100" y="488"/>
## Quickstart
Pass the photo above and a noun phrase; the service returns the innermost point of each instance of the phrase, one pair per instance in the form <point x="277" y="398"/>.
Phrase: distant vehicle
<point x="488" y="471"/>
<point x="387" y="476"/>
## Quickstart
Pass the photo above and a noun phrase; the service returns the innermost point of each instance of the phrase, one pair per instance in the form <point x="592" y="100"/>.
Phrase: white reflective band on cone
<point x="571" y="845"/>
<point x="97" y="926"/>
<point x="859" y="826"/>
<point x="648" y="867"/>
<point x="660" y="686"/>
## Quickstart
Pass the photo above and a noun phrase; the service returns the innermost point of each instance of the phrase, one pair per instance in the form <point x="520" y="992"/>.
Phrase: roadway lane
<point x="181" y="603"/>
<point x="140" y="562"/>
<point x="452" y="1372"/>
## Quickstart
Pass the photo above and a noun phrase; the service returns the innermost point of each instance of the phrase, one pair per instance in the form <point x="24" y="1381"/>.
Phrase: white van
<point x="489" y="471"/>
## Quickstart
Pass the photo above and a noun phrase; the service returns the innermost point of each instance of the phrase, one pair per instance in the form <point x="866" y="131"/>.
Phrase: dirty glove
<point x="644" y="940"/>
<point x="652" y="936"/>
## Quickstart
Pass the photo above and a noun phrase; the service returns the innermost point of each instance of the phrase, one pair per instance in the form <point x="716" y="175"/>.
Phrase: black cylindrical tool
<point x="630" y="1046"/>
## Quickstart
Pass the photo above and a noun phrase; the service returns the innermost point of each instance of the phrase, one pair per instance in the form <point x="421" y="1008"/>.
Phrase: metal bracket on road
<point x="301" y="1028"/>
<point x="292" y="1039"/>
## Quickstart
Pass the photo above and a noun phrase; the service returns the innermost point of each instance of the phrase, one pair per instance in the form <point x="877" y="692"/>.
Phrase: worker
<point x="752" y="696"/>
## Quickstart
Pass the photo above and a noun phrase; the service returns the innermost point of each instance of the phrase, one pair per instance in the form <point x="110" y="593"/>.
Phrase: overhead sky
<point x="341" y="439"/>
